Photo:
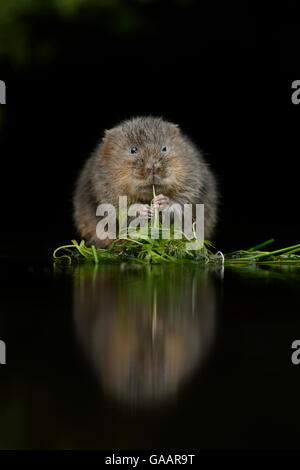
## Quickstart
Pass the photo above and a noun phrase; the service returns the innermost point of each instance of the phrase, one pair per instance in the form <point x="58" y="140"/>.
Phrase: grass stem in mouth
<point x="156" y="212"/>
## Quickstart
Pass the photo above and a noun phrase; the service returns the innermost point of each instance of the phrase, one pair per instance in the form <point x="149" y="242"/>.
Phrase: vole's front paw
<point x="160" y="202"/>
<point x="146" y="211"/>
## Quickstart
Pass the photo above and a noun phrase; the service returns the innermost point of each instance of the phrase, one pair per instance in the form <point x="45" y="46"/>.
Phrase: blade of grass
<point x="256" y="247"/>
<point x="95" y="254"/>
<point x="269" y="253"/>
<point x="156" y="213"/>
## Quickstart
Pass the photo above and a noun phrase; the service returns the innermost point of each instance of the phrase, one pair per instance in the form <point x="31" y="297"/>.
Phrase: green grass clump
<point x="147" y="251"/>
<point x="144" y="251"/>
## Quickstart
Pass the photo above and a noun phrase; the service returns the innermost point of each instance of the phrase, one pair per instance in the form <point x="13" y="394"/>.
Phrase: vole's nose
<point x="152" y="168"/>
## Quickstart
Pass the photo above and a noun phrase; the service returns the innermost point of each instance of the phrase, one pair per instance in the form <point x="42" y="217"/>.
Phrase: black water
<point x="120" y="357"/>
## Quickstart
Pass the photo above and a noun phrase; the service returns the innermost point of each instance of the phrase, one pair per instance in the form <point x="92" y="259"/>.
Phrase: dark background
<point x="223" y="72"/>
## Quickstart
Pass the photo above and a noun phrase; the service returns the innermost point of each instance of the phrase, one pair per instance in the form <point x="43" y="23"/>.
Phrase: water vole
<point x="130" y="159"/>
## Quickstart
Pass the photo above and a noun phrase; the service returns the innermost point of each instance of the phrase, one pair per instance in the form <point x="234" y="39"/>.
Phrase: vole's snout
<point x="153" y="172"/>
<point x="152" y="169"/>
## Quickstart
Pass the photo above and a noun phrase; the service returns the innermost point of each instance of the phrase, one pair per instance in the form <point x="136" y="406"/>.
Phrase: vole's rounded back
<point x="130" y="159"/>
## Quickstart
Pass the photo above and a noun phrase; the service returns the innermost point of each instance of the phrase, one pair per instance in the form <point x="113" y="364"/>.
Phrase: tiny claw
<point x="146" y="211"/>
<point x="160" y="201"/>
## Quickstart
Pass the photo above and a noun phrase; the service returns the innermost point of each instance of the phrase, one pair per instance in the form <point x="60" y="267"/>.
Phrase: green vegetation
<point x="144" y="249"/>
<point x="253" y="255"/>
<point x="160" y="250"/>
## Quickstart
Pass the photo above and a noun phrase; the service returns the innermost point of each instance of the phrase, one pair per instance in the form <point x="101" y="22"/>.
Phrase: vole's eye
<point x="163" y="148"/>
<point x="133" y="150"/>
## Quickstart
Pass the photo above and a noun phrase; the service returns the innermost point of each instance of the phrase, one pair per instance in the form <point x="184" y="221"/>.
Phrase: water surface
<point x="132" y="357"/>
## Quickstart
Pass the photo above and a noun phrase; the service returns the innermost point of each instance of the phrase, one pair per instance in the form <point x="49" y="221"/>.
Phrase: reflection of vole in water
<point x="131" y="158"/>
<point x="145" y="334"/>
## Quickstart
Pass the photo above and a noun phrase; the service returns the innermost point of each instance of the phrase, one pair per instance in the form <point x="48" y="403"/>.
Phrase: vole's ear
<point x="107" y="132"/>
<point x="175" y="128"/>
<point x="107" y="142"/>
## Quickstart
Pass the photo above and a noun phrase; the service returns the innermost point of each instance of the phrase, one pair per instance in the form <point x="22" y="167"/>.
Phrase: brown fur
<point x="112" y="171"/>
